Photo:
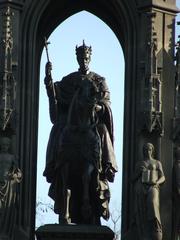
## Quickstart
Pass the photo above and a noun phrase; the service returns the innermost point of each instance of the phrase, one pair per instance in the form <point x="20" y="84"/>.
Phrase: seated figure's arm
<point x="18" y="175"/>
<point x="161" y="174"/>
<point x="139" y="169"/>
<point x="11" y="170"/>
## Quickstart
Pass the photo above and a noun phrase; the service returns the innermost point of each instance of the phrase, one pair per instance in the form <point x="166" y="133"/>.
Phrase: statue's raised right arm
<point x="50" y="92"/>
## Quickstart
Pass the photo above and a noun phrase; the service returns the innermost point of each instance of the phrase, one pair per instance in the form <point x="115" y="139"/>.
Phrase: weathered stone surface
<point x="128" y="19"/>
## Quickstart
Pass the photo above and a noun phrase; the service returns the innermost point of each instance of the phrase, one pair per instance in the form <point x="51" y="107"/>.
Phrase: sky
<point x="108" y="61"/>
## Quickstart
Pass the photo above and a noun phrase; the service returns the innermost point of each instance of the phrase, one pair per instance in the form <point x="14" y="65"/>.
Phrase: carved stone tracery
<point x="38" y="19"/>
<point x="7" y="81"/>
<point x="152" y="105"/>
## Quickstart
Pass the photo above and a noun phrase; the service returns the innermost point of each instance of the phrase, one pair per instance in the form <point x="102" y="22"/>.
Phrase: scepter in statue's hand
<point x="48" y="67"/>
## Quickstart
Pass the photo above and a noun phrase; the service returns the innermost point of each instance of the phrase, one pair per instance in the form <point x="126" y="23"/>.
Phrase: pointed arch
<point x="108" y="59"/>
<point x="39" y="19"/>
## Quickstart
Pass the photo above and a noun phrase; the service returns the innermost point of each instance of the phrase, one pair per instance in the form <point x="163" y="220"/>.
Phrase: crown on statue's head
<point x="83" y="49"/>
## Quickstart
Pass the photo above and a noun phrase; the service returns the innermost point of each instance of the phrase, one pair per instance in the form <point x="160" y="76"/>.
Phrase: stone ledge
<point x="75" y="232"/>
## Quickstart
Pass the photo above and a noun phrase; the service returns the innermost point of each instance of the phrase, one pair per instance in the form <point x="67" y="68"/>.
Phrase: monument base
<point x="74" y="232"/>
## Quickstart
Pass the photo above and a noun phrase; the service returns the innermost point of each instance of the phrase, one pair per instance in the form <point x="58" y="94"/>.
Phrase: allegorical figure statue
<point x="176" y="190"/>
<point x="10" y="176"/>
<point x="80" y="157"/>
<point x="148" y="178"/>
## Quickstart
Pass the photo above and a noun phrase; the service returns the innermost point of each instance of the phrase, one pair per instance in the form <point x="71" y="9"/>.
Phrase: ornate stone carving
<point x="176" y="193"/>
<point x="176" y="140"/>
<point x="176" y="120"/>
<point x="10" y="176"/>
<point x="152" y="104"/>
<point x="7" y="82"/>
<point x="147" y="179"/>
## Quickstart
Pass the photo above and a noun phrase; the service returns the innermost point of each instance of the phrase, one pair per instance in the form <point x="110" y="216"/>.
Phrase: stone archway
<point x="135" y="24"/>
<point x="46" y="16"/>
<point x="62" y="55"/>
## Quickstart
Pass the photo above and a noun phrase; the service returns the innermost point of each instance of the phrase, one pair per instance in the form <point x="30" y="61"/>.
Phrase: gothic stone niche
<point x="10" y="176"/>
<point x="7" y="81"/>
<point x="127" y="18"/>
<point x="152" y="102"/>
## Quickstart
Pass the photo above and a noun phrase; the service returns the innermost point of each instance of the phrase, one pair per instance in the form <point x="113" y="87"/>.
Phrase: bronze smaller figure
<point x="10" y="176"/>
<point x="148" y="178"/>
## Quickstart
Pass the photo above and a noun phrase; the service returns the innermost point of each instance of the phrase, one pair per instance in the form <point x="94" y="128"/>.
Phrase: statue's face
<point x="148" y="149"/>
<point x="84" y="60"/>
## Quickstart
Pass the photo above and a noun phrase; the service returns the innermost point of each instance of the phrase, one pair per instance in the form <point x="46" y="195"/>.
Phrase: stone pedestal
<point x="74" y="232"/>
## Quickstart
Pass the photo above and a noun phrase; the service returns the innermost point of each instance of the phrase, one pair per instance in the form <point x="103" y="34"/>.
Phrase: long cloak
<point x="60" y="98"/>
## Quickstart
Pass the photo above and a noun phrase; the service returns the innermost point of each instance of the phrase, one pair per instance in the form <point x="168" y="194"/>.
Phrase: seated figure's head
<point x="83" y="54"/>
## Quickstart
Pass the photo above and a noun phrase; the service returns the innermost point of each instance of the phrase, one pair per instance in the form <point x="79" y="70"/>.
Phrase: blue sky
<point x="108" y="61"/>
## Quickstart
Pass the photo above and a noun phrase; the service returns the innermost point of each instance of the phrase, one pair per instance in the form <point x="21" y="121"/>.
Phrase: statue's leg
<point x="64" y="217"/>
<point x="86" y="178"/>
<point x="154" y="214"/>
<point x="67" y="215"/>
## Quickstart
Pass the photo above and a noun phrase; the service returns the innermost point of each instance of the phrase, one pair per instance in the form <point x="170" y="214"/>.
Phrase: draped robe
<point x="60" y="96"/>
